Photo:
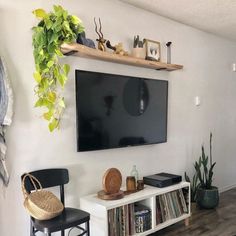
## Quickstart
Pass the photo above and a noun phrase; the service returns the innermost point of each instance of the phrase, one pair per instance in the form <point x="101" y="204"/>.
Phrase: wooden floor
<point x="218" y="222"/>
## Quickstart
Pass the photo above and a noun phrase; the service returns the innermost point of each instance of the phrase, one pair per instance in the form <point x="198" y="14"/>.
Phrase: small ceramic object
<point x="139" y="53"/>
<point x="140" y="184"/>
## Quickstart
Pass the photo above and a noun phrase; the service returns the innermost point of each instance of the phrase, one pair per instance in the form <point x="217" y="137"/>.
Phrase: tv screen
<point x="117" y="111"/>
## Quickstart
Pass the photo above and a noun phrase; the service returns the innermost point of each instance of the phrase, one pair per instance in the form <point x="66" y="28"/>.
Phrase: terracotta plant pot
<point x="207" y="198"/>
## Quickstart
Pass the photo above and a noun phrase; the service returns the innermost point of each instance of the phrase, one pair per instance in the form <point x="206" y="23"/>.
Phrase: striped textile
<point x="6" y="111"/>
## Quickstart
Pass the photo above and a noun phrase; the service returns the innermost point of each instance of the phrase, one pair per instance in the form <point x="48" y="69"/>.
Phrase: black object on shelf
<point x="162" y="180"/>
<point x="168" y="45"/>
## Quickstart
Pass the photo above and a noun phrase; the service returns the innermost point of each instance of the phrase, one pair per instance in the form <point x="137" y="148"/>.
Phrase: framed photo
<point x="153" y="50"/>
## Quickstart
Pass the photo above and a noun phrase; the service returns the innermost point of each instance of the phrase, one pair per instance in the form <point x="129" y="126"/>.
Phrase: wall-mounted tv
<point x="114" y="111"/>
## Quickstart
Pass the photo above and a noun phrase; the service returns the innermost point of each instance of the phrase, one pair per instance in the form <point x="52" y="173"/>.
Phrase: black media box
<point x="162" y="180"/>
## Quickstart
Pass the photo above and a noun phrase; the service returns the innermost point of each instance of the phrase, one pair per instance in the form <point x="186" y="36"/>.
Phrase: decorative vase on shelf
<point x="138" y="50"/>
<point x="130" y="184"/>
<point x="139" y="53"/>
<point x="134" y="173"/>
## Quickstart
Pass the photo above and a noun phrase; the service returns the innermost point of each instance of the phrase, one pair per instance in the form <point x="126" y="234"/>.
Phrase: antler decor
<point x="101" y="40"/>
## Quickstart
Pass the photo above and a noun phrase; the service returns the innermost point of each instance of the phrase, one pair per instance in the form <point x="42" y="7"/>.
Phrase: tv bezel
<point x="127" y="76"/>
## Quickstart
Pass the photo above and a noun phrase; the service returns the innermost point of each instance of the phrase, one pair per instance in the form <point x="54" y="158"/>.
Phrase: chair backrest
<point x="49" y="178"/>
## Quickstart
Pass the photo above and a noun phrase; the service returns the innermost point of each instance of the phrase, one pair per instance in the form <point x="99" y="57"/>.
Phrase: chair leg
<point x="31" y="228"/>
<point x="87" y="228"/>
<point x="62" y="233"/>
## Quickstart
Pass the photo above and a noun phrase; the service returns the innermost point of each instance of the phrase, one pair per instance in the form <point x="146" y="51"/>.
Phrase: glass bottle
<point x="134" y="173"/>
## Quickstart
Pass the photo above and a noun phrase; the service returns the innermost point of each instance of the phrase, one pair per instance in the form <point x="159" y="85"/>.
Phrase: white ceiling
<point x="214" y="16"/>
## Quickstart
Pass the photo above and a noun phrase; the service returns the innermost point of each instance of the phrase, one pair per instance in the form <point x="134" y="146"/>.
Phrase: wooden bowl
<point x="106" y="196"/>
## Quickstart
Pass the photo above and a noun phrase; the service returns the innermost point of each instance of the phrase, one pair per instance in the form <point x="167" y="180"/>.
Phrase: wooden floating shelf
<point x="83" y="51"/>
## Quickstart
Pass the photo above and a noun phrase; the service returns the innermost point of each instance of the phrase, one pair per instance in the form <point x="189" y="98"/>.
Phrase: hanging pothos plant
<point x="54" y="28"/>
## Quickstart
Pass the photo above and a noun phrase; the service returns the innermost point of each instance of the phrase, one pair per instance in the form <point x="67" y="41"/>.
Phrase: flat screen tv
<point x="114" y="111"/>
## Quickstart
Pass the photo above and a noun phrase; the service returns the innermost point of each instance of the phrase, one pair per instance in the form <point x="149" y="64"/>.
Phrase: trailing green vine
<point x="50" y="75"/>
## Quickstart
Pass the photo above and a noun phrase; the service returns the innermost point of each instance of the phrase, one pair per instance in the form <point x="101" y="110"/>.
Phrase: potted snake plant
<point x="207" y="195"/>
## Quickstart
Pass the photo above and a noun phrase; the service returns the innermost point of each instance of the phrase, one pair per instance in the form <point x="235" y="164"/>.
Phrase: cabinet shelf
<point x="99" y="209"/>
<point x="83" y="51"/>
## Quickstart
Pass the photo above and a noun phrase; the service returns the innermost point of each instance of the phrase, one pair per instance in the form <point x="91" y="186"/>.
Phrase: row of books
<point x="118" y="221"/>
<point x="171" y="205"/>
<point x="129" y="220"/>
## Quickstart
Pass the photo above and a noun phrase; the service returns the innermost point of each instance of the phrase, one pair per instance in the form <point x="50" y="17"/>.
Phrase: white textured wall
<point x="207" y="73"/>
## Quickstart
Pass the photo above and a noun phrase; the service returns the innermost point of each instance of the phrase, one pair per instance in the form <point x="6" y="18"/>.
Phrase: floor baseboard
<point x="226" y="188"/>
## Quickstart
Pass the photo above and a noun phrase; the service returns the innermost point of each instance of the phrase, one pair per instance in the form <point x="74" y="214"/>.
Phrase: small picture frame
<point x="153" y="50"/>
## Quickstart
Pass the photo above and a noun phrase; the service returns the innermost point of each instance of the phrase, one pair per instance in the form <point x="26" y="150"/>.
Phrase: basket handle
<point x="33" y="180"/>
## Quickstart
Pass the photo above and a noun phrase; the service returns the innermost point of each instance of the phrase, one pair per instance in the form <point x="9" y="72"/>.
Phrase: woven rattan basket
<point x="41" y="204"/>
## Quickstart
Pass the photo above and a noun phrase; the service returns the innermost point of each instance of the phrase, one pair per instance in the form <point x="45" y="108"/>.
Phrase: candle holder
<point x="130" y="184"/>
<point x="140" y="185"/>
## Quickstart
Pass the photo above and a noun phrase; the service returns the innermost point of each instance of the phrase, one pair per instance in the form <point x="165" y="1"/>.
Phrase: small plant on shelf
<point x="50" y="75"/>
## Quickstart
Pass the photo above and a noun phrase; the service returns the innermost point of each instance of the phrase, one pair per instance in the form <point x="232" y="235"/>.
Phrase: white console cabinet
<point x="148" y="197"/>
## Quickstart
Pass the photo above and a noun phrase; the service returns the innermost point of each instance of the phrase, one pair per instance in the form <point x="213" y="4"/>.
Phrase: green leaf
<point x="50" y="64"/>
<point x="51" y="49"/>
<point x="39" y="103"/>
<point x="58" y="28"/>
<point x="66" y="26"/>
<point x="53" y="125"/>
<point x="62" y="103"/>
<point x="41" y="52"/>
<point x="53" y="38"/>
<point x="57" y="8"/>
<point x="39" y="37"/>
<point x="37" y="77"/>
<point x="56" y="72"/>
<point x="48" y="115"/>
<point x="48" y="104"/>
<point x="66" y="69"/>
<point x="80" y="29"/>
<point x="59" y="53"/>
<point x="65" y="14"/>
<point x="186" y="177"/>
<point x="48" y="23"/>
<point x="75" y="20"/>
<point x="46" y="70"/>
<point x="62" y="79"/>
<point x="52" y="96"/>
<point x="40" y="13"/>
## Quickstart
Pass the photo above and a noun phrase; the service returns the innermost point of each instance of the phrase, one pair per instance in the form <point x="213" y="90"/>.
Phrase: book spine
<point x="167" y="211"/>
<point x="171" y="206"/>
<point x="179" y="204"/>
<point x="158" y="211"/>
<point x="142" y="218"/>
<point x="163" y="214"/>
<point x="182" y="199"/>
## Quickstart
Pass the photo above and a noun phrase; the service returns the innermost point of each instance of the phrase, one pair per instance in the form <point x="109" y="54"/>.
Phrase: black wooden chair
<point x="69" y="218"/>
